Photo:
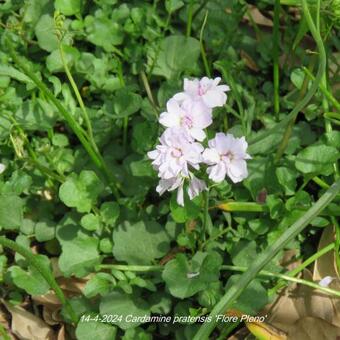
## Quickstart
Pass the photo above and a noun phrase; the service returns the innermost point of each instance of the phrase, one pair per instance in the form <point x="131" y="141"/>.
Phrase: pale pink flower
<point x="326" y="281"/>
<point x="226" y="155"/>
<point x="175" y="153"/>
<point x="196" y="186"/>
<point x="191" y="115"/>
<point x="204" y="90"/>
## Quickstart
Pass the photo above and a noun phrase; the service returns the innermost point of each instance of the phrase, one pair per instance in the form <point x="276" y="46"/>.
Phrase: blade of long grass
<point x="236" y="290"/>
<point x="276" y="47"/>
<point x="44" y="271"/>
<point x="79" y="132"/>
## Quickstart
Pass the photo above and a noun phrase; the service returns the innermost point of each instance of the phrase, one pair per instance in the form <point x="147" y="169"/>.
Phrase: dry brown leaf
<point x="249" y="61"/>
<point x="27" y="326"/>
<point x="49" y="299"/>
<point x="311" y="328"/>
<point x="325" y="265"/>
<point x="258" y="17"/>
<point x="283" y="313"/>
<point x="241" y="334"/>
<point x="52" y="316"/>
<point x="310" y="302"/>
<point x="61" y="333"/>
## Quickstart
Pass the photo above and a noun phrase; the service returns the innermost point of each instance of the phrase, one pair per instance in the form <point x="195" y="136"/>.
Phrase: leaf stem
<point x="189" y="22"/>
<point x="265" y="257"/>
<point x="203" y="54"/>
<point x="321" y="70"/>
<point x="79" y="132"/>
<point x="78" y="96"/>
<point x="302" y="266"/>
<point x="276" y="47"/>
<point x="286" y="278"/>
<point x="44" y="271"/>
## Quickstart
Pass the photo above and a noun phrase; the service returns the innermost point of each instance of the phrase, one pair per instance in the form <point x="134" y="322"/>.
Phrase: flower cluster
<point x="180" y="151"/>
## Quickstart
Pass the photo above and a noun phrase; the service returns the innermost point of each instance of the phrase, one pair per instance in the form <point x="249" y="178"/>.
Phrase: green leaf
<point x="191" y="209"/>
<point x="100" y="283"/>
<point x="36" y="114"/>
<point x="45" y="32"/>
<point x="13" y="73"/>
<point x="121" y="304"/>
<point x="68" y="7"/>
<point x="185" y="278"/>
<point x="103" y="32"/>
<point x="287" y="179"/>
<point x="95" y="330"/>
<point x="90" y="222"/>
<point x="109" y="212"/>
<point x="126" y="103"/>
<point x="253" y="298"/>
<point x="173" y="5"/>
<point x="333" y="138"/>
<point x="81" y="192"/>
<point x="45" y="231"/>
<point x="11" y="211"/>
<point x="31" y="281"/>
<point x="140" y="243"/>
<point x="243" y="253"/>
<point x="316" y="158"/>
<point x="170" y="62"/>
<point x="79" y="256"/>
<point x="54" y="63"/>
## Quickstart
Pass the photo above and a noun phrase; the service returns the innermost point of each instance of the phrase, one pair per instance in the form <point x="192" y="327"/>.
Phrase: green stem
<point x="205" y="213"/>
<point x="286" y="278"/>
<point x="44" y="271"/>
<point x="321" y="70"/>
<point x="79" y="132"/>
<point x="286" y="136"/>
<point x="149" y="92"/>
<point x="203" y="54"/>
<point x="189" y="22"/>
<point x="276" y="46"/>
<point x="236" y="290"/>
<point x="78" y="96"/>
<point x="325" y="91"/>
<point x="302" y="266"/>
<point x="132" y="268"/>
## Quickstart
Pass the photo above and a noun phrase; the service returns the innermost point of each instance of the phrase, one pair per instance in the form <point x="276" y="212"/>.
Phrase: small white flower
<point x="226" y="155"/>
<point x="205" y="90"/>
<point x="175" y="153"/>
<point x="190" y="115"/>
<point x="326" y="281"/>
<point x="196" y="186"/>
<point x="2" y="168"/>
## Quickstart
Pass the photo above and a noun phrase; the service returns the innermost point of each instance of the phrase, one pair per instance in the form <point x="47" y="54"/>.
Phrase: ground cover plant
<point x="169" y="169"/>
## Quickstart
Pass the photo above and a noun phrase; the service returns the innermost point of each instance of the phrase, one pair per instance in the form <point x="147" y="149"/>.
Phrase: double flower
<point x="180" y="152"/>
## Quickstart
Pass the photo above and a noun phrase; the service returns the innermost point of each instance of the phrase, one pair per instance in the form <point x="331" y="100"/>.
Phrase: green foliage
<point x="184" y="278"/>
<point x="139" y="253"/>
<point x="81" y="191"/>
<point x="140" y="243"/>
